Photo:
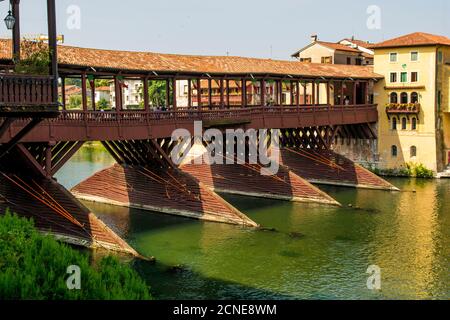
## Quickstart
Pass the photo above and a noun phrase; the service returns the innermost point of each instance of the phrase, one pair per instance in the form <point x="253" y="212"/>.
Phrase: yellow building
<point x="413" y="101"/>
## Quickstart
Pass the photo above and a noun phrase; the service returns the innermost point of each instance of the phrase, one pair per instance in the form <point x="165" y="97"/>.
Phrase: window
<point x="403" y="98"/>
<point x="393" y="77"/>
<point x="328" y="60"/>
<point x="358" y="61"/>
<point x="440" y="57"/>
<point x="413" y="124"/>
<point x="413" y="152"/>
<point x="404" y="77"/>
<point x="439" y="100"/>
<point x="414" y="76"/>
<point x="308" y="60"/>
<point x="393" y="57"/>
<point x="394" y="97"/>
<point x="414" y="97"/>
<point x="414" y="56"/>
<point x="349" y="60"/>
<point x="394" y="151"/>
<point x="404" y="123"/>
<point x="394" y="123"/>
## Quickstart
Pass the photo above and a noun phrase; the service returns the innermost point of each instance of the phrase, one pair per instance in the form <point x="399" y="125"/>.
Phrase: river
<point x="315" y="252"/>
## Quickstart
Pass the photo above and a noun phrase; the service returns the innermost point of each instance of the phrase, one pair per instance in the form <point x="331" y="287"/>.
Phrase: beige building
<point x="346" y="51"/>
<point x="413" y="101"/>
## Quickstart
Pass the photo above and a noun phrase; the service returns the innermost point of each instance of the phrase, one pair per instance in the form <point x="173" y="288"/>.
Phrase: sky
<point x="254" y="28"/>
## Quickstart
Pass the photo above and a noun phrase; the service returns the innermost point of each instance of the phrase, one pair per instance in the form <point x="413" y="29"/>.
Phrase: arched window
<point x="414" y="124"/>
<point x="404" y="123"/>
<point x="394" y="97"/>
<point x="394" y="123"/>
<point x="414" y="97"/>
<point x="394" y="151"/>
<point x="413" y="151"/>
<point x="403" y="98"/>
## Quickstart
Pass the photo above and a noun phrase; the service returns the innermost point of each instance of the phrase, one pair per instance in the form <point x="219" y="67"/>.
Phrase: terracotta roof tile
<point x="413" y="39"/>
<point x="338" y="46"/>
<point x="172" y="63"/>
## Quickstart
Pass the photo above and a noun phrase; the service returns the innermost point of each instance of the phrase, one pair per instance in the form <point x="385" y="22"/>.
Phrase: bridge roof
<point x="147" y="62"/>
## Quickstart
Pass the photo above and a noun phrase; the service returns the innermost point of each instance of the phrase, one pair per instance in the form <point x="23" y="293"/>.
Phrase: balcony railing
<point x="403" y="108"/>
<point x="26" y="93"/>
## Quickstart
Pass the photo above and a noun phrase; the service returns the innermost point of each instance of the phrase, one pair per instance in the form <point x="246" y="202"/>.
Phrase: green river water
<point x="316" y="252"/>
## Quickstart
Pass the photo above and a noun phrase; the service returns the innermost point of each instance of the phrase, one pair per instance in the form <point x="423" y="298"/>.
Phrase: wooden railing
<point x="25" y="91"/>
<point x="205" y="113"/>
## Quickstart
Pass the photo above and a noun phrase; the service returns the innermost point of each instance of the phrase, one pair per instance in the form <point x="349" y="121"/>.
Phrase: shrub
<point x="35" y="58"/>
<point x="34" y="266"/>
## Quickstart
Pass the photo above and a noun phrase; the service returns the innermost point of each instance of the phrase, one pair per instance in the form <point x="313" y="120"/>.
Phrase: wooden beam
<point x="52" y="43"/>
<point x="5" y="125"/>
<point x="263" y="92"/>
<point x="84" y="91"/>
<point x="32" y="162"/>
<point x="189" y="93"/>
<point x="221" y="84"/>
<point x="146" y="97"/>
<point x="174" y="94"/>
<point x="118" y="91"/>
<point x="168" y="94"/>
<point x="5" y="148"/>
<point x="63" y="93"/>
<point x="199" y="93"/>
<point x="16" y="29"/>
<point x="92" y="83"/>
<point x="209" y="92"/>
<point x="65" y="157"/>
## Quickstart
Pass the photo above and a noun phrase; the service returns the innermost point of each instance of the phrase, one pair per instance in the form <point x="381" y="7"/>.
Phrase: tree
<point x="101" y="83"/>
<point x="35" y="267"/>
<point x="156" y="93"/>
<point x="102" y="104"/>
<point x="75" y="102"/>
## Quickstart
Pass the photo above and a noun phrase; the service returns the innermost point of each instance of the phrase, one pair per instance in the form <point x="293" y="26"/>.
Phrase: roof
<point x="413" y="40"/>
<point x="148" y="62"/>
<point x="360" y="43"/>
<point x="338" y="46"/>
<point x="104" y="88"/>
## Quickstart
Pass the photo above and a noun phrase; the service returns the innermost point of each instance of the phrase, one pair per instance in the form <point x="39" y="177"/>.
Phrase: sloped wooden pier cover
<point x="163" y="190"/>
<point x="351" y="174"/>
<point x="93" y="234"/>
<point x="247" y="180"/>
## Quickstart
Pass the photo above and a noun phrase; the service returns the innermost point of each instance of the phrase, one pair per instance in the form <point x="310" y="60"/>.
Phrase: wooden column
<point x="189" y="93"/>
<point x="209" y="93"/>
<point x="243" y="93"/>
<point x="328" y="93"/>
<point x="146" y="97"/>
<point x="16" y="30"/>
<point x="366" y="92"/>
<point x="52" y="43"/>
<point x="63" y="92"/>
<point x="354" y="93"/>
<point x="174" y="94"/>
<point x="222" y="92"/>
<point x="263" y="92"/>
<point x="305" y="93"/>
<point x="297" y="87"/>
<point x="318" y="93"/>
<point x="84" y="91"/>
<point x="199" y="93"/>
<point x="167" y="94"/>
<point x="342" y="93"/>
<point x="92" y="84"/>
<point x="313" y="102"/>
<point x="228" y="92"/>
<point x="118" y="91"/>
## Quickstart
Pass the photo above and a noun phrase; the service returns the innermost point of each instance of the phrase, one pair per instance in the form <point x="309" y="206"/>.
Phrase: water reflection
<point x="316" y="251"/>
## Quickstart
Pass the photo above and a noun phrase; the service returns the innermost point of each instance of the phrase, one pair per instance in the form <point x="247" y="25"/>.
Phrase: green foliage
<point x="156" y="93"/>
<point x="35" y="59"/>
<point x="33" y="266"/>
<point x="73" y="82"/>
<point x="419" y="170"/>
<point x="75" y="102"/>
<point x="101" y="83"/>
<point x="103" y="104"/>
<point x="412" y="170"/>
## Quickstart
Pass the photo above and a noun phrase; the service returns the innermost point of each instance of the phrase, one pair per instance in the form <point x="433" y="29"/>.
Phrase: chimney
<point x="314" y="38"/>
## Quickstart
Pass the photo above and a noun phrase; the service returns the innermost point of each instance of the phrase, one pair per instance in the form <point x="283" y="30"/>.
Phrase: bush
<point x="34" y="266"/>
<point x="419" y="171"/>
<point x="35" y="59"/>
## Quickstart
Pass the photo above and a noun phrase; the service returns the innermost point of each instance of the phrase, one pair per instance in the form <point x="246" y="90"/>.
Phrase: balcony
<point x="404" y="109"/>
<point x="23" y="95"/>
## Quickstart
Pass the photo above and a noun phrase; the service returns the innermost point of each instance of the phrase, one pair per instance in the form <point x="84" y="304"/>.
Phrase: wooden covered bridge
<point x="313" y="105"/>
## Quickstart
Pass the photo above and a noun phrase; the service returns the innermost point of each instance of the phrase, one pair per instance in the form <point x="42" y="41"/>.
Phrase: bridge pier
<point x="32" y="194"/>
<point x="145" y="178"/>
